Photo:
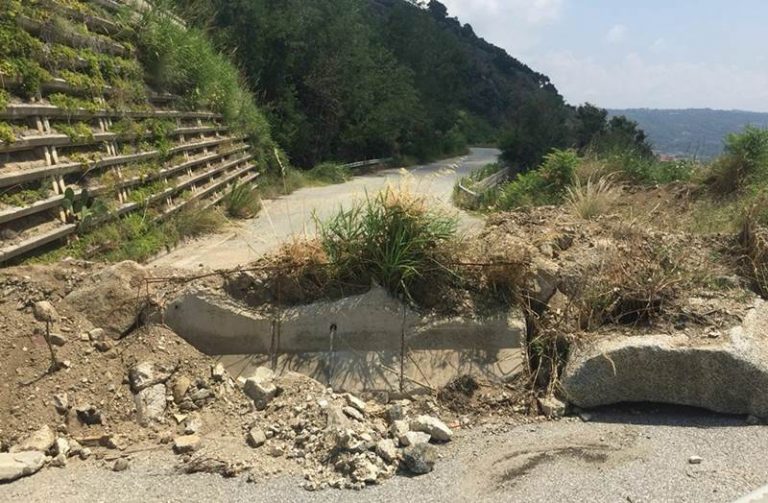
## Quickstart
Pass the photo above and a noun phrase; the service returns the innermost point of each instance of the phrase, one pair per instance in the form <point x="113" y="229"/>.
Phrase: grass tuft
<point x="242" y="201"/>
<point x="593" y="198"/>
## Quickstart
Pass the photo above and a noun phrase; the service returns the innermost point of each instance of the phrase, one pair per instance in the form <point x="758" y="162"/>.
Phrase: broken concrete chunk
<point x="186" y="444"/>
<point x="20" y="464"/>
<point x="180" y="388"/>
<point x="387" y="450"/>
<point x="433" y="426"/>
<point x="260" y="392"/>
<point x="218" y="373"/>
<point x="150" y="404"/>
<point x="414" y="438"/>
<point x="256" y="437"/>
<point x="399" y="428"/>
<point x="146" y="374"/>
<point x="420" y="458"/>
<point x="40" y="440"/>
<point x="355" y="402"/>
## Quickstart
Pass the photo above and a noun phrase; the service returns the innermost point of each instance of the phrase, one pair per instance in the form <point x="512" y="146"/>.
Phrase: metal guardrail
<point x="370" y="162"/>
<point x="487" y="183"/>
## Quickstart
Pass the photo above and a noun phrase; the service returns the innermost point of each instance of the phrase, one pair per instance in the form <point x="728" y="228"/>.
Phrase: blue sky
<point x="635" y="53"/>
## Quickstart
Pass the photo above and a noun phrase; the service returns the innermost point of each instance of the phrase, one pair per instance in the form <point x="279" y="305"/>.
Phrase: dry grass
<point x="593" y="198"/>
<point x="754" y="243"/>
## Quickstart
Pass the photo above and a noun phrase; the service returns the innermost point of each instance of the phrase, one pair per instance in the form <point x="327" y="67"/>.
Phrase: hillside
<point x="691" y="132"/>
<point x="353" y="79"/>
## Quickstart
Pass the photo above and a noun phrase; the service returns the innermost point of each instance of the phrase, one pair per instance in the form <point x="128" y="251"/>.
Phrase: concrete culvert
<point x="354" y="343"/>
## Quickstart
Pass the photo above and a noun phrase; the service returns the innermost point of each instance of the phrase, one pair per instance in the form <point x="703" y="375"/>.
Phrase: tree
<point x="591" y="121"/>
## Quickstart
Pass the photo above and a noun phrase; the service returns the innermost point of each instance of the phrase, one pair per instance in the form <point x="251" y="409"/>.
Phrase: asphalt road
<point x="623" y="454"/>
<point x="293" y="215"/>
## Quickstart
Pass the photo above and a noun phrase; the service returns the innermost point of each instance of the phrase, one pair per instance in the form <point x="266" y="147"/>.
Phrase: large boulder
<point x="727" y="374"/>
<point x="113" y="298"/>
<point x="20" y="464"/>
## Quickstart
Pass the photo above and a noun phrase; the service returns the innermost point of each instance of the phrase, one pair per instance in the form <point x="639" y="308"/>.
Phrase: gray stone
<point x="45" y="312"/>
<point x="20" y="464"/>
<point x="260" y="392"/>
<point x="180" y="388"/>
<point x="150" y="404"/>
<point x="61" y="447"/>
<point x="353" y="413"/>
<point x="551" y="407"/>
<point x="355" y="402"/>
<point x="414" y="438"/>
<point x="120" y="465"/>
<point x="103" y="346"/>
<point x="218" y="373"/>
<point x="399" y="428"/>
<point x="395" y="412"/>
<point x="256" y="437"/>
<point x="186" y="444"/>
<point x="433" y="426"/>
<point x="695" y="460"/>
<point x="59" y="461"/>
<point x="420" y="458"/>
<point x="40" y="440"/>
<point x="57" y="339"/>
<point x="387" y="450"/>
<point x="335" y="418"/>
<point x="145" y="374"/>
<point x="728" y="374"/>
<point x="96" y="334"/>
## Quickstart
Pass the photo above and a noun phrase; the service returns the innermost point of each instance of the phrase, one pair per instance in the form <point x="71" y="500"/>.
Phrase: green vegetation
<point x="83" y="208"/>
<point x="142" y="193"/>
<point x="546" y="185"/>
<point x="137" y="236"/>
<point x="6" y="133"/>
<point x="328" y="173"/>
<point x="393" y="239"/>
<point x="5" y="98"/>
<point x="24" y="195"/>
<point x="242" y="201"/>
<point x="73" y="103"/>
<point x="77" y="132"/>
<point x="184" y="62"/>
<point x="744" y="164"/>
<point x="591" y="198"/>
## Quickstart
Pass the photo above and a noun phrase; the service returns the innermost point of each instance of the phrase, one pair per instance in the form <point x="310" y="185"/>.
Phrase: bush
<point x="329" y="172"/>
<point x="241" y="201"/>
<point x="754" y="242"/>
<point x="393" y="239"/>
<point x="744" y="162"/>
<point x="546" y="185"/>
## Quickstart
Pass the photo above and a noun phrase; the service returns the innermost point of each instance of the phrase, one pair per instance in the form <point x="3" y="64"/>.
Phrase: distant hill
<point x="691" y="132"/>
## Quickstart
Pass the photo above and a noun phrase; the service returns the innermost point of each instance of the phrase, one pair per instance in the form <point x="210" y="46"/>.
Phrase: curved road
<point x="293" y="215"/>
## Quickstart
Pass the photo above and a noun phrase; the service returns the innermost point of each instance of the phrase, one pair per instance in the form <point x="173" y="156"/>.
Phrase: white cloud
<point x="635" y="81"/>
<point x="617" y="34"/>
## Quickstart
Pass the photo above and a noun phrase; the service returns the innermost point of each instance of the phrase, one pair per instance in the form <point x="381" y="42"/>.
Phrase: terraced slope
<point x="84" y="139"/>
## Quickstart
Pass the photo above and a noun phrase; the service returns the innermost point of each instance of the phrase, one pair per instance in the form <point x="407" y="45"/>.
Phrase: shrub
<point x="329" y="172"/>
<point x="393" y="239"/>
<point x="754" y="243"/>
<point x="592" y="198"/>
<point x="744" y="162"/>
<point x="241" y="201"/>
<point x="546" y="185"/>
<point x="6" y="133"/>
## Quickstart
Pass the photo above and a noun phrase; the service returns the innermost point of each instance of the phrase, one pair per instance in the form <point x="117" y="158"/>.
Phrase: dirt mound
<point x="151" y="390"/>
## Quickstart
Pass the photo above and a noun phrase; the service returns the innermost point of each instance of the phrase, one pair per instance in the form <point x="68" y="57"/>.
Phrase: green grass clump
<point x="394" y="239"/>
<point x="241" y="201"/>
<point x="73" y="103"/>
<point x="24" y="196"/>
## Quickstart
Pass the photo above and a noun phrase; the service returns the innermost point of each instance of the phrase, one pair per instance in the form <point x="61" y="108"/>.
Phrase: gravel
<point x="634" y="454"/>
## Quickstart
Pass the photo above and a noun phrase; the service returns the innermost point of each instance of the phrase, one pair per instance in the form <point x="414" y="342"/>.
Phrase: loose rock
<point x="260" y="392"/>
<point x="420" y="458"/>
<point x="433" y="426"/>
<point x="120" y="465"/>
<point x="41" y="440"/>
<point x="186" y="444"/>
<point x="256" y="437"/>
<point x="45" y="312"/>
<point x="20" y="464"/>
<point x="414" y="438"/>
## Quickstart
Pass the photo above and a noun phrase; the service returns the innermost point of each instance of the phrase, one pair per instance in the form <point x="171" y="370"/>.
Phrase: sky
<point x="635" y="53"/>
